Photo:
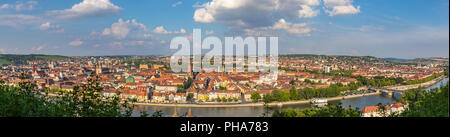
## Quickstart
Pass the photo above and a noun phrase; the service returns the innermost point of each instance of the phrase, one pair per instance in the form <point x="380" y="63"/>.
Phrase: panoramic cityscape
<point x="172" y="58"/>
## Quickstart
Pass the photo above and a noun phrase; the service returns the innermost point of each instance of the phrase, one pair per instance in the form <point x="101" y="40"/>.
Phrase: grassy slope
<point x="12" y="59"/>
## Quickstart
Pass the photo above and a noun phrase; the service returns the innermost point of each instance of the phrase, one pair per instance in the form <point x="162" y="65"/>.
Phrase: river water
<point x="258" y="111"/>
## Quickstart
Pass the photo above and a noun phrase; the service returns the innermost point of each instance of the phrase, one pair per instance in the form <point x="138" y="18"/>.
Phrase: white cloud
<point x="76" y="43"/>
<point x="340" y="7"/>
<point x="17" y="20"/>
<point x="121" y="44"/>
<point x="51" y="27"/>
<point x="249" y="10"/>
<point x="365" y="28"/>
<point x="254" y="14"/>
<point x="177" y="3"/>
<point x="301" y="29"/>
<point x="45" y="26"/>
<point x="138" y="43"/>
<point x="291" y="28"/>
<point x="162" y="30"/>
<point x="121" y="29"/>
<point x="307" y="12"/>
<point x="20" y="6"/>
<point x="146" y="36"/>
<point x="5" y="6"/>
<point x="209" y="32"/>
<point x="38" y="48"/>
<point x="259" y="16"/>
<point x="197" y="5"/>
<point x="88" y="8"/>
<point x="294" y="9"/>
<point x="163" y="42"/>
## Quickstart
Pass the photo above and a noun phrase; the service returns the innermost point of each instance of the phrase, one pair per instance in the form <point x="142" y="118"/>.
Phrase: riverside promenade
<point x="231" y="105"/>
<point x="215" y="105"/>
<point x="408" y="87"/>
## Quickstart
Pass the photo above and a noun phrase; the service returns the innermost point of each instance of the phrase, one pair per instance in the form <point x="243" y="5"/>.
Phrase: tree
<point x="180" y="89"/>
<point x="294" y="94"/>
<point x="268" y="98"/>
<point x="328" y="111"/>
<point x="158" y="114"/>
<point x="255" y="96"/>
<point x="422" y="103"/>
<point x="84" y="101"/>
<point x="308" y="81"/>
<point x="308" y="93"/>
<point x="188" y="83"/>
<point x="292" y="82"/>
<point x="382" y="110"/>
<point x="223" y="88"/>
<point x="284" y="96"/>
<point x="190" y="96"/>
<point x="276" y="95"/>
<point x="423" y="80"/>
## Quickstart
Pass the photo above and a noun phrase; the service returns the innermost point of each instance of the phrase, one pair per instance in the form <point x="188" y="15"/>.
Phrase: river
<point x="258" y="111"/>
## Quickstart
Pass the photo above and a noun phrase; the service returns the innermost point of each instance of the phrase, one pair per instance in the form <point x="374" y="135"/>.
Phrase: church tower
<point x="98" y="69"/>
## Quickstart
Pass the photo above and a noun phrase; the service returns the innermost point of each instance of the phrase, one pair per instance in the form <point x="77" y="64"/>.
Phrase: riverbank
<point x="423" y="85"/>
<point x="400" y="87"/>
<point x="253" y="104"/>
<point x="358" y="101"/>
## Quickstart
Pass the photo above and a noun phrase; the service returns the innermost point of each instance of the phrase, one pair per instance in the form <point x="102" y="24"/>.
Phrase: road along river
<point x="258" y="110"/>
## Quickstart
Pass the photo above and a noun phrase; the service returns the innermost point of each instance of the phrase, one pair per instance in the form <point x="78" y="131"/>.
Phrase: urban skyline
<point x="412" y="29"/>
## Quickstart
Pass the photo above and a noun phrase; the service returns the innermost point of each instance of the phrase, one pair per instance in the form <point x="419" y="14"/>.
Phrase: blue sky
<point x="381" y="28"/>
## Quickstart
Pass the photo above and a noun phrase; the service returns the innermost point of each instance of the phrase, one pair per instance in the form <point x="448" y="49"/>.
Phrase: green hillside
<point x="22" y="59"/>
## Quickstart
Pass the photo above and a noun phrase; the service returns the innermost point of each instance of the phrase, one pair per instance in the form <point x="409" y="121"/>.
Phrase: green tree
<point x="190" y="96"/>
<point x="84" y="101"/>
<point x="422" y="103"/>
<point x="294" y="94"/>
<point x="276" y="95"/>
<point x="328" y="111"/>
<point x="284" y="96"/>
<point x="157" y="114"/>
<point x="268" y="98"/>
<point x="255" y="96"/>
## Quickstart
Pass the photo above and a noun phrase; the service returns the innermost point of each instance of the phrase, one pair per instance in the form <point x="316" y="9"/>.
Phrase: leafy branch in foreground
<point x="86" y="100"/>
<point x="328" y="111"/>
<point x="423" y="103"/>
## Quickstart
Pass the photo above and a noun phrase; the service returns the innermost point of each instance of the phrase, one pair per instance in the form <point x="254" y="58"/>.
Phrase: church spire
<point x="175" y="113"/>
<point x="189" y="113"/>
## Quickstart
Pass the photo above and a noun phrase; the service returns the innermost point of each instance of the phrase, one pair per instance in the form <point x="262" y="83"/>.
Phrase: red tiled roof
<point x="370" y="109"/>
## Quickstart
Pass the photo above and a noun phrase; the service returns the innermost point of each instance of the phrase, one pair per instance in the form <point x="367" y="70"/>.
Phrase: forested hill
<point x="22" y="59"/>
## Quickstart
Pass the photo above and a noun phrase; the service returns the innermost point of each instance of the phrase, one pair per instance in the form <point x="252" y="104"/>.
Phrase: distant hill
<point x="341" y="57"/>
<point x="431" y="59"/>
<point x="22" y="59"/>
<point x="396" y="59"/>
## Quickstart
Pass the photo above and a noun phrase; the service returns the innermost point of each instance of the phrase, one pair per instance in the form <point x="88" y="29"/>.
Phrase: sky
<point x="380" y="28"/>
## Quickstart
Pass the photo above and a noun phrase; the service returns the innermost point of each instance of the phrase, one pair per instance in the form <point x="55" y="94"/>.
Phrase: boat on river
<point x="280" y="104"/>
<point x="318" y="101"/>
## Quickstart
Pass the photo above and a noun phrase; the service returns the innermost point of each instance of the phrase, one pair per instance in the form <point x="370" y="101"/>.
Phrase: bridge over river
<point x="389" y="92"/>
<point x="400" y="89"/>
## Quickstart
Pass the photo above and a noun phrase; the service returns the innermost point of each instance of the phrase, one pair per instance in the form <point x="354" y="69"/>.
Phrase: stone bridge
<point x="388" y="91"/>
